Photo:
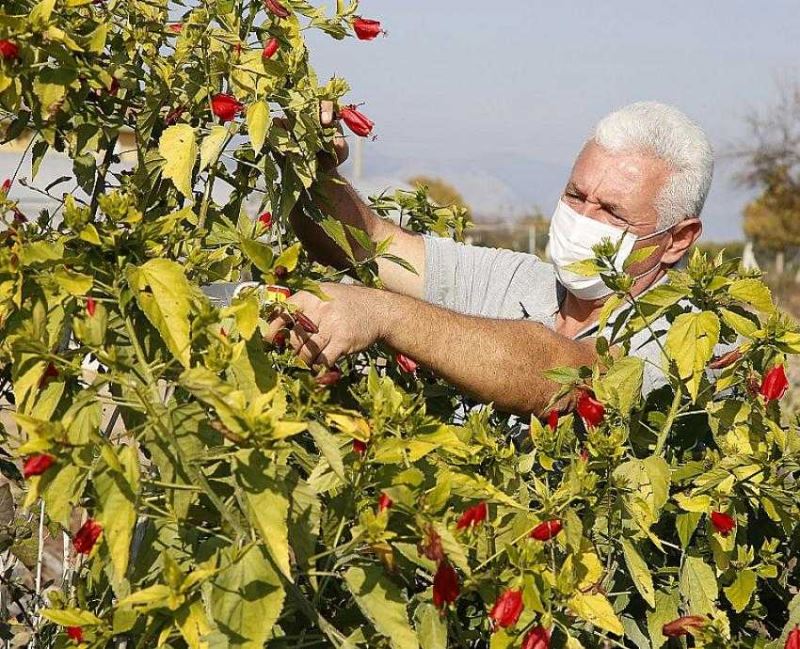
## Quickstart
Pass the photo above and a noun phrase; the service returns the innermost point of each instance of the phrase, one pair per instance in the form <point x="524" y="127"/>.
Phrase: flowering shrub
<point x="218" y="493"/>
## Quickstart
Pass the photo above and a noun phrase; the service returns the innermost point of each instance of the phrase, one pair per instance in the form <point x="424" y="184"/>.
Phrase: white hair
<point x="671" y="136"/>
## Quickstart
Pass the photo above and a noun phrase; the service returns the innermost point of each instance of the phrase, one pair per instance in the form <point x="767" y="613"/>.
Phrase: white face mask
<point x="572" y="237"/>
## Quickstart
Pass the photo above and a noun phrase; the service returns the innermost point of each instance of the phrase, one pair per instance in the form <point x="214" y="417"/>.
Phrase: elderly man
<point x="492" y="321"/>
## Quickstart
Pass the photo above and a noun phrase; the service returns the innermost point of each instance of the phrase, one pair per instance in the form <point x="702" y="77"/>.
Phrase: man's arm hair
<point x="498" y="361"/>
<point x="336" y="198"/>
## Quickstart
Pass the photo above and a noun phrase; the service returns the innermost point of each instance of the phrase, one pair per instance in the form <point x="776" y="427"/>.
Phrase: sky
<point x="498" y="98"/>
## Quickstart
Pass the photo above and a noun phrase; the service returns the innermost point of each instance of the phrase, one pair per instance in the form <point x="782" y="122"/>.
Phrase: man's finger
<point x="329" y="356"/>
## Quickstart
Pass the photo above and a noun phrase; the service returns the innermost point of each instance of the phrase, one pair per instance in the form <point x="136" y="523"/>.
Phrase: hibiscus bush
<point x="215" y="492"/>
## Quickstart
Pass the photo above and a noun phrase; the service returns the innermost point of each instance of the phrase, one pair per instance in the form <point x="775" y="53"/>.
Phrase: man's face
<point x="621" y="189"/>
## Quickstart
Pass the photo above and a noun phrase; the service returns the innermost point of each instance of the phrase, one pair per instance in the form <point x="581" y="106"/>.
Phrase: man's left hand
<point x="348" y="321"/>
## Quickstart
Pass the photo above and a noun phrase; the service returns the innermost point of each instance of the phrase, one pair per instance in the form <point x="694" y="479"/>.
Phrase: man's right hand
<point x="328" y="119"/>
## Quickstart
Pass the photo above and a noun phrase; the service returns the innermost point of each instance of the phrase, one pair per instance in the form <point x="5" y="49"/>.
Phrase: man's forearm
<point x="335" y="197"/>
<point x="499" y="361"/>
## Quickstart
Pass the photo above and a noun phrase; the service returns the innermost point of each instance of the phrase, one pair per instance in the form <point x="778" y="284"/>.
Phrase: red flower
<point x="431" y="546"/>
<point x="537" y="638"/>
<point x="507" y="608"/>
<point x="75" y="633"/>
<point x="445" y="585"/>
<point x="331" y="377"/>
<point x="359" y="446"/>
<point x="37" y="464"/>
<point x="279" y="340"/>
<point x="275" y="7"/>
<point x="547" y="530"/>
<point x="226" y="107"/>
<point x="723" y="523"/>
<point x="8" y="50"/>
<point x="279" y="290"/>
<point x="552" y="419"/>
<point x="590" y="409"/>
<point x="384" y="502"/>
<point x="793" y="641"/>
<point x="91" y="306"/>
<point x="6" y="186"/>
<point x="50" y="373"/>
<point x="366" y="29"/>
<point x="281" y="272"/>
<point x="406" y="364"/>
<point x="774" y="384"/>
<point x="357" y="122"/>
<point x="683" y="625"/>
<point x="270" y="47"/>
<point x="473" y="516"/>
<point x="265" y="219"/>
<point x="175" y="28"/>
<point x="87" y="536"/>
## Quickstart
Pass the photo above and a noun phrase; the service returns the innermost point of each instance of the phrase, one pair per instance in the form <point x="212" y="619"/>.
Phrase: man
<point x="491" y="321"/>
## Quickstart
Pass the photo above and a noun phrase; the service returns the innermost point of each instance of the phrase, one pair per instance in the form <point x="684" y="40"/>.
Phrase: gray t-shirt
<point x="507" y="285"/>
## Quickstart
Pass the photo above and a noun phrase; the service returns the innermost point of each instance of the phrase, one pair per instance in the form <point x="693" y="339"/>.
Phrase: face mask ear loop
<point x="645" y="238"/>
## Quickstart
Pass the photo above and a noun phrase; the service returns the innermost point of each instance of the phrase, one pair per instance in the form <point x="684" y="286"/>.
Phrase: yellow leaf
<point x="179" y="149"/>
<point x="596" y="610"/>
<point x="258" y="123"/>
<point x="212" y="146"/>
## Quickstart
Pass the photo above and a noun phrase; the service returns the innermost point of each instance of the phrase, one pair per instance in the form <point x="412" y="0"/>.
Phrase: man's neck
<point x="575" y="315"/>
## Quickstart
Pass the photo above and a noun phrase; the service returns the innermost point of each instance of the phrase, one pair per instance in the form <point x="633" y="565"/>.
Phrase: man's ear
<point x="683" y="237"/>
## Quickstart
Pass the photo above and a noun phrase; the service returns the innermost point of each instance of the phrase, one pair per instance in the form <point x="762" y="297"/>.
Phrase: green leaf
<point x="741" y="590"/>
<point x="259" y="253"/>
<point x="289" y="257"/>
<point x="73" y="282"/>
<point x="699" y="585"/>
<point x="71" y="617"/>
<point x="247" y="598"/>
<point x="753" y="292"/>
<point x="639" y="572"/>
<point x="596" y="609"/>
<point x="622" y="384"/>
<point x="116" y="493"/>
<point x="382" y="602"/>
<point x="40" y="14"/>
<point x="258" y="122"/>
<point x="328" y="446"/>
<point x="741" y="324"/>
<point x="268" y="504"/>
<point x="431" y="627"/>
<point x="335" y="230"/>
<point x="179" y="149"/>
<point x="585" y="268"/>
<point x="212" y="146"/>
<point x="637" y="256"/>
<point x="690" y="343"/>
<point x="162" y="292"/>
<point x="666" y="611"/>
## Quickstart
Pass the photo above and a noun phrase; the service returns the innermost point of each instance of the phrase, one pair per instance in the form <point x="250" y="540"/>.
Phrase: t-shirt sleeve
<point x="488" y="282"/>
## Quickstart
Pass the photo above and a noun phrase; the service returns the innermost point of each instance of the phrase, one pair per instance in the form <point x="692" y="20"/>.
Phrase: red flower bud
<point x="270" y="47"/>
<point x="276" y="8"/>
<point x="473" y="516"/>
<point x="431" y="546"/>
<point x="552" y="419"/>
<point x="726" y="360"/>
<point x="590" y="409"/>
<point x="359" y="447"/>
<point x="75" y="633"/>
<point x="279" y="290"/>
<point x="279" y="340"/>
<point x="91" y="306"/>
<point x="331" y="377"/>
<point x="683" y="625"/>
<point x="50" y="373"/>
<point x="793" y="640"/>
<point x="507" y="608"/>
<point x="446" y="588"/>
<point x="366" y="29"/>
<point x="8" y="50"/>
<point x="6" y="186"/>
<point x="37" y="464"/>
<point x="223" y="332"/>
<point x="584" y="455"/>
<point x="265" y="219"/>
<point x="174" y="115"/>
<point x="226" y="107"/>
<point x="384" y="502"/>
<point x="774" y="384"/>
<point x="547" y="530"/>
<point x="175" y="28"/>
<point x="87" y="536"/>
<point x="537" y="638"/>
<point x="406" y="364"/>
<point x="305" y="323"/>
<point x="281" y="272"/>
<point x="723" y="523"/>
<point x="357" y="122"/>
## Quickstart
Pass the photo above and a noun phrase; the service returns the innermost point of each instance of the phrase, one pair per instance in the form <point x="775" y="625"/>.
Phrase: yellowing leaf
<point x="258" y="122"/>
<point x="741" y="590"/>
<point x="690" y="343"/>
<point x="179" y="149"/>
<point x="639" y="572"/>
<point x="753" y="292"/>
<point x="699" y="585"/>
<point x="596" y="610"/>
<point x="212" y="146"/>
